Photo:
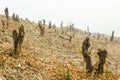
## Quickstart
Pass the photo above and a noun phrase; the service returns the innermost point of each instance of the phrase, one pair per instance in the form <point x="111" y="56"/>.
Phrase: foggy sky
<point x="100" y="15"/>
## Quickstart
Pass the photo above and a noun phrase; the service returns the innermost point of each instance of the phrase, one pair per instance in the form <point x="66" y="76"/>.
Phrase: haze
<point x="101" y="16"/>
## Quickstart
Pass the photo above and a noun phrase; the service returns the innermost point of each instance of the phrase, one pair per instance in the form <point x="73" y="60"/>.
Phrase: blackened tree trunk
<point x="102" y="58"/>
<point x="86" y="56"/>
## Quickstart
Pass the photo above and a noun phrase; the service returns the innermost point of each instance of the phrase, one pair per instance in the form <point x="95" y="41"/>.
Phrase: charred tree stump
<point x="102" y="58"/>
<point x="111" y="39"/>
<point x="15" y="36"/>
<point x="18" y="39"/>
<point x="50" y="24"/>
<point x="43" y="22"/>
<point x="6" y="13"/>
<point x="42" y="29"/>
<point x="21" y="37"/>
<point x="13" y="16"/>
<point x="98" y="37"/>
<point x="86" y="56"/>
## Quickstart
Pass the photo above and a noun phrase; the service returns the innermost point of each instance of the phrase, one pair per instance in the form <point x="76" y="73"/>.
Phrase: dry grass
<point x="51" y="57"/>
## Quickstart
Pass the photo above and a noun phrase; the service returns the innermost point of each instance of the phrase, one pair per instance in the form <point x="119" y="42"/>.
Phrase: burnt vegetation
<point x="18" y="38"/>
<point x="41" y="27"/>
<point x="112" y="36"/>
<point x="6" y="13"/>
<point x="15" y="17"/>
<point x="66" y="40"/>
<point x="87" y="58"/>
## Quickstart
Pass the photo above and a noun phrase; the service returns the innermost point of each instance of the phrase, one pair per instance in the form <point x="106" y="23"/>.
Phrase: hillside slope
<point x="50" y="57"/>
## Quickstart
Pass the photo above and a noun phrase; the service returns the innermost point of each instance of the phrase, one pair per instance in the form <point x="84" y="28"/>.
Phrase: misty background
<point x="101" y="16"/>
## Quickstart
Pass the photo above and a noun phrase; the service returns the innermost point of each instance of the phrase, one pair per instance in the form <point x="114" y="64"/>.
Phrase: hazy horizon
<point x="101" y="16"/>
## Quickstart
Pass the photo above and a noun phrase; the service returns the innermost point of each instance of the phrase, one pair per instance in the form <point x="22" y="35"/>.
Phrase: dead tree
<point x="42" y="29"/>
<point x="21" y="36"/>
<point x="13" y="16"/>
<point x="61" y="25"/>
<point x="15" y="40"/>
<point x="6" y="13"/>
<point x="17" y="18"/>
<point x="50" y="24"/>
<point x="98" y="36"/>
<point x="111" y="39"/>
<point x="102" y="58"/>
<point x="43" y="22"/>
<point x="18" y="39"/>
<point x="86" y="56"/>
<point x="71" y="26"/>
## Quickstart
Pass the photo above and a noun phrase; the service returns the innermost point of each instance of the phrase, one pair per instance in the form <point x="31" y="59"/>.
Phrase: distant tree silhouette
<point x="50" y="24"/>
<point x="98" y="36"/>
<point x="61" y="25"/>
<point x="43" y="22"/>
<point x="42" y="28"/>
<point x="111" y="39"/>
<point x="13" y="16"/>
<point x="6" y="13"/>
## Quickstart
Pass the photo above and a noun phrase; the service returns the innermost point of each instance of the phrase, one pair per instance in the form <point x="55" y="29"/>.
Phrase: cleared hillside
<point x="51" y="57"/>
